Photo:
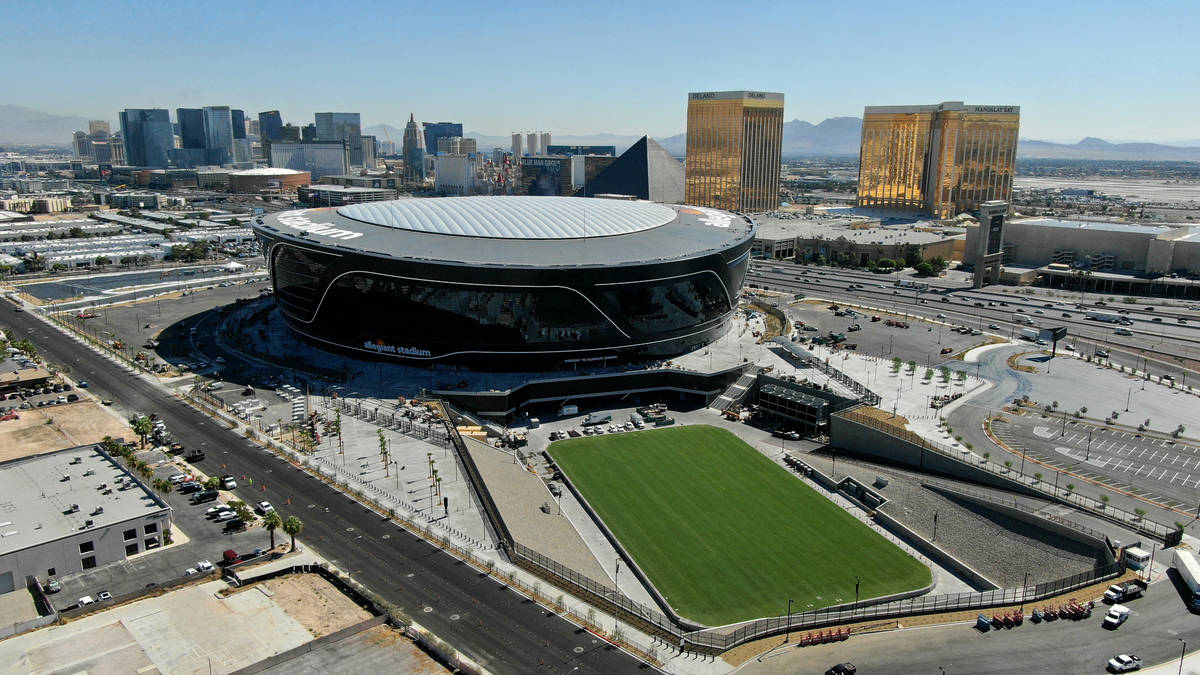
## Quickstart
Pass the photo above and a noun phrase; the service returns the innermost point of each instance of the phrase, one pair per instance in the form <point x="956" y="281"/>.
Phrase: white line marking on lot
<point x="1177" y="458"/>
<point x="1160" y="476"/>
<point x="1153" y="455"/>
<point x="1175" y="476"/>
<point x="1044" y="432"/>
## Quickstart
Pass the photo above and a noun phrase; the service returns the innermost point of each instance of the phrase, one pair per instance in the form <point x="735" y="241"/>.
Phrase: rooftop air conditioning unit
<point x="74" y="509"/>
<point x="88" y="523"/>
<point x="98" y="511"/>
<point x="77" y="460"/>
<point x="89" y="472"/>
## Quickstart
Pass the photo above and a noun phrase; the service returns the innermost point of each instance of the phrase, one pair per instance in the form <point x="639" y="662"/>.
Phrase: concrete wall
<point x="862" y="440"/>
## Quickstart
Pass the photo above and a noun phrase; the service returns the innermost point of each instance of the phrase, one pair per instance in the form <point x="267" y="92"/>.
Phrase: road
<point x="1161" y="348"/>
<point x="1152" y="631"/>
<point x="494" y="626"/>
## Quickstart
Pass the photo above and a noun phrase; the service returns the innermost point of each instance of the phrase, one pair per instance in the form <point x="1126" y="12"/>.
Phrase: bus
<point x="915" y="285"/>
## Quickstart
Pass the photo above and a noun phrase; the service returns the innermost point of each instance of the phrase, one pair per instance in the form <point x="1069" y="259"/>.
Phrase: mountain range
<point x="833" y="136"/>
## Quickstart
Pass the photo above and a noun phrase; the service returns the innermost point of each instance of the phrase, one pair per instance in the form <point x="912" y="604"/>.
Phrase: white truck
<point x="1108" y="317"/>
<point x="1021" y="318"/>
<point x="1188" y="568"/>
<point x="568" y="410"/>
<point x="1030" y="334"/>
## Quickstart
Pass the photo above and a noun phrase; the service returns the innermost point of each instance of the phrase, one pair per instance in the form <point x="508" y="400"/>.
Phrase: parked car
<point x="53" y="585"/>
<point x="264" y="508"/>
<point x="85" y="601"/>
<point x="230" y="557"/>
<point x="189" y="487"/>
<point x="103" y="595"/>
<point x="225" y="516"/>
<point x="1124" y="663"/>
<point x="178" y="479"/>
<point x="205" y="566"/>
<point x="842" y="669"/>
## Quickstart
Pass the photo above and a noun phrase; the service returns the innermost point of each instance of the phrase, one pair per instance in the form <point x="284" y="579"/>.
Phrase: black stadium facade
<point x="508" y="282"/>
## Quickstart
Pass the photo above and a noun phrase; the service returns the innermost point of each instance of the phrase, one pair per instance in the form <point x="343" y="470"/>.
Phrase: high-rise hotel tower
<point x="941" y="160"/>
<point x="734" y="141"/>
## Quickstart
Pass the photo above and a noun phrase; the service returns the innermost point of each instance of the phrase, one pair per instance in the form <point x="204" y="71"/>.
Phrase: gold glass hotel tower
<point x="941" y="159"/>
<point x="734" y="141"/>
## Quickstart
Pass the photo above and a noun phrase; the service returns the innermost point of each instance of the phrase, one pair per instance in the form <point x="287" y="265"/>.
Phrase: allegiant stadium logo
<point x="298" y="221"/>
<point x="378" y="346"/>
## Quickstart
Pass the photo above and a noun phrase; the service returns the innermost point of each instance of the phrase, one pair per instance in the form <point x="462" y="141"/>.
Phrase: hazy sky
<point x="1117" y="70"/>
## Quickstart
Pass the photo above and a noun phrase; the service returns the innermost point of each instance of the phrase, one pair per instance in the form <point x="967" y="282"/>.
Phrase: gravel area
<point x="1001" y="548"/>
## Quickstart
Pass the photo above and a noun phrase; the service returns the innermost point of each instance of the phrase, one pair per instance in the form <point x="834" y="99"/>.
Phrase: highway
<point x="1159" y="347"/>
<point x="492" y="625"/>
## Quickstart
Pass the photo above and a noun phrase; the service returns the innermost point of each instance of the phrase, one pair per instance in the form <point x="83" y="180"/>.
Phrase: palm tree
<point x="293" y="526"/>
<point x="142" y="426"/>
<point x="272" y="522"/>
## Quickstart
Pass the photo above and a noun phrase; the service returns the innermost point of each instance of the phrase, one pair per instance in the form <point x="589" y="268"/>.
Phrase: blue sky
<point x="1116" y="70"/>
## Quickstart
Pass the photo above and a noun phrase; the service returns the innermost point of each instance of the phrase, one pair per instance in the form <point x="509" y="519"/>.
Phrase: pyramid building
<point x="646" y="171"/>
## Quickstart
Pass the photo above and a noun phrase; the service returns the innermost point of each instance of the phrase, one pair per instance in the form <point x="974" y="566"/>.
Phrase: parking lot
<point x="922" y="341"/>
<point x="197" y="538"/>
<point x="1163" y="469"/>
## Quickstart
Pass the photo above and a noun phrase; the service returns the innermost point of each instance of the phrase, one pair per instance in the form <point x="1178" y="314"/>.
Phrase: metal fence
<point x="433" y="431"/>
<point x="1131" y="520"/>
<point x="869" y="397"/>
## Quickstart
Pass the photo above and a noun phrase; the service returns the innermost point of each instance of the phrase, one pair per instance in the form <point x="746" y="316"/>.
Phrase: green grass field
<point x="725" y="533"/>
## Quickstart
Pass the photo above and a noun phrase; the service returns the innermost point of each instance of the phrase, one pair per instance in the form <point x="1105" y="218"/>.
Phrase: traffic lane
<point x="283" y="483"/>
<point x="436" y="589"/>
<point x="1096" y="336"/>
<point x="1061" y="646"/>
<point x="509" y="643"/>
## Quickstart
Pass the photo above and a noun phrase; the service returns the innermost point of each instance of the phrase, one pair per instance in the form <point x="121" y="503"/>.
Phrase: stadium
<point x="508" y="282"/>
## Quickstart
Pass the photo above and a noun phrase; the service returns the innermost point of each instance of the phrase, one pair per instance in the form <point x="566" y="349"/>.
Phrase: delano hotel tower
<point x="734" y="141"/>
<point x="942" y="159"/>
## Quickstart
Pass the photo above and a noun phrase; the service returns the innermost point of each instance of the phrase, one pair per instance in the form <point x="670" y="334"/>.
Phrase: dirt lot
<point x="313" y="602"/>
<point x="72" y="424"/>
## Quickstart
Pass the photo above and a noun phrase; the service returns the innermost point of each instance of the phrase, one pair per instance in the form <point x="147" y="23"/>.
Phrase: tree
<point x="102" y="260"/>
<point x="929" y="373"/>
<point x="212" y="483"/>
<point x="924" y="269"/>
<point x="272" y="522"/>
<point x="58" y="267"/>
<point x="293" y="526"/>
<point x="142" y="426"/>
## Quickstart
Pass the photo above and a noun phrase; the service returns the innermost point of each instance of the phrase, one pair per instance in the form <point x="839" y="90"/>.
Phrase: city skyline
<point x="1019" y="57"/>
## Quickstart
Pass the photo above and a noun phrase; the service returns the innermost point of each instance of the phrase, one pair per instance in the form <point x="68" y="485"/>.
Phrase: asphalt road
<point x="496" y="627"/>
<point x="1160" y="348"/>
<point x="1157" y="621"/>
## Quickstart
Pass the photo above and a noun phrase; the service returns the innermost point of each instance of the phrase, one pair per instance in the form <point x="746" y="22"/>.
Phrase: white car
<point x="224" y="516"/>
<point x="265" y="508"/>
<point x="1124" y="663"/>
<point x="86" y="600"/>
<point x="204" y="566"/>
<point x="177" y="478"/>
<point x="189" y="571"/>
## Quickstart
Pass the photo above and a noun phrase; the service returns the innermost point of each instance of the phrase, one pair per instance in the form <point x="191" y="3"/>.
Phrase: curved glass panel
<point x="671" y="304"/>
<point x="300" y="277"/>
<point x="368" y="307"/>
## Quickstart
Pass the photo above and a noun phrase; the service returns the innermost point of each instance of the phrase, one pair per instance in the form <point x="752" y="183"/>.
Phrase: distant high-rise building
<point x="95" y="126"/>
<point x="531" y="140"/>
<point x="436" y="130"/>
<point x="941" y="159"/>
<point x="734" y="143"/>
<point x="289" y="133"/>
<point x="148" y="135"/>
<point x="270" y="126"/>
<point x="191" y="128"/>
<point x="414" y="154"/>
<point x="116" y="149"/>
<point x="546" y="176"/>
<point x="516" y="146"/>
<point x="237" y="119"/>
<point x="544" y="142"/>
<point x="218" y="134"/>
<point x="81" y="145"/>
<point x="368" y="147"/>
<point x="342" y="127"/>
<point x="319" y="158"/>
<point x="308" y="133"/>
<point x="581" y="150"/>
<point x="253" y="128"/>
<point x="456" y="145"/>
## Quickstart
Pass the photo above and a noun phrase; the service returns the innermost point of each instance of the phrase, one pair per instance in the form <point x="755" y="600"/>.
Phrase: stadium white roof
<point x="514" y="217"/>
<point x="266" y="171"/>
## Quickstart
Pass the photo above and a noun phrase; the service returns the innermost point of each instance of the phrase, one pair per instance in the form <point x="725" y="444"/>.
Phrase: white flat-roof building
<point x="73" y="510"/>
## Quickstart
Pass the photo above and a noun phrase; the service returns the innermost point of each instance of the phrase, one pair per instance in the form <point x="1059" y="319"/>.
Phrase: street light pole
<point x="1024" y="586"/>
<point x="788" y="628"/>
<point x="1182" y="651"/>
